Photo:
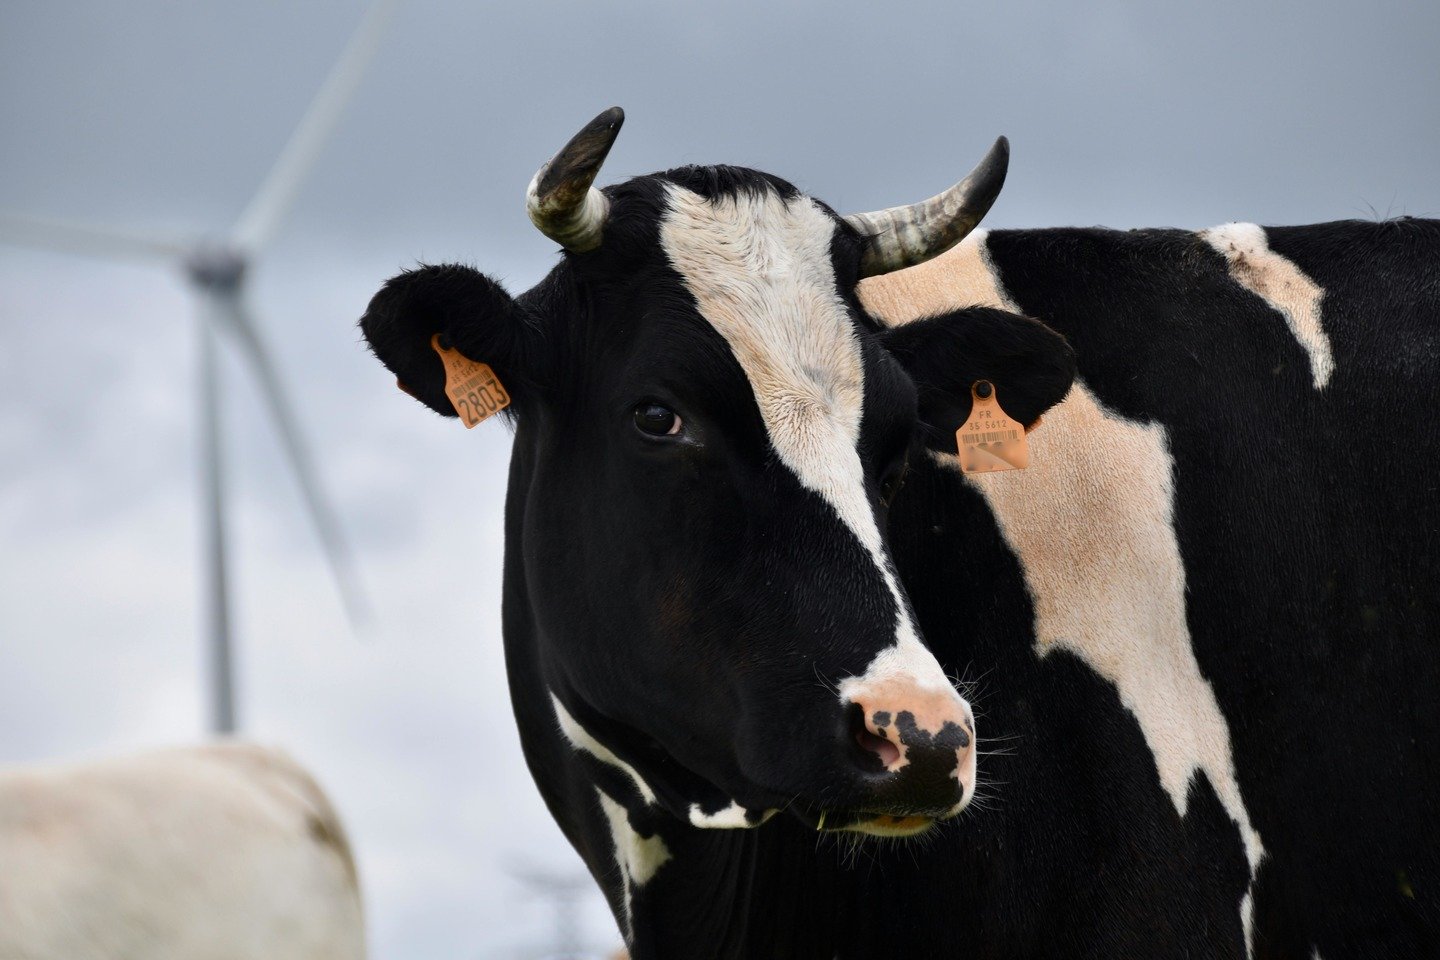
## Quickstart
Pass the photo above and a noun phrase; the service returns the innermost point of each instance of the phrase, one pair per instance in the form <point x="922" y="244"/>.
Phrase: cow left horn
<point x="561" y="200"/>
<point x="904" y="236"/>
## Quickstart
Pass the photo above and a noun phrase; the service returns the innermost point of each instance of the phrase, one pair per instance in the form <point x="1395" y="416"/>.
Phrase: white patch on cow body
<point x="760" y="271"/>
<point x="962" y="277"/>
<point x="637" y="857"/>
<point x="581" y="739"/>
<point x="1091" y="523"/>
<point x="1247" y="920"/>
<point x="1282" y="285"/>
<point x="733" y="817"/>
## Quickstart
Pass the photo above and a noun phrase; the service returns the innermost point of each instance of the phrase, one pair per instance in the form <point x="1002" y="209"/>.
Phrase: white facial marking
<point x="1091" y="522"/>
<point x="733" y="817"/>
<point x="581" y="739"/>
<point x="760" y="272"/>
<point x="1281" y="284"/>
<point x="637" y="857"/>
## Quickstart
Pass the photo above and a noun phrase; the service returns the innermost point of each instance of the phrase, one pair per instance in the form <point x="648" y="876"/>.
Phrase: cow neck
<point x="769" y="891"/>
<point x="740" y="893"/>
<point x="678" y="890"/>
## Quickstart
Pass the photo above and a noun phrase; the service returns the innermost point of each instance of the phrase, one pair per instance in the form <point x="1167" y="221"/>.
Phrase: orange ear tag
<point x="472" y="387"/>
<point x="989" y="440"/>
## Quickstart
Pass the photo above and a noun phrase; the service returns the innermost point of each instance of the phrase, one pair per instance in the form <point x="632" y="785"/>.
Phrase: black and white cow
<point x="705" y="630"/>
<point x="222" y="851"/>
<point x="1209" y="610"/>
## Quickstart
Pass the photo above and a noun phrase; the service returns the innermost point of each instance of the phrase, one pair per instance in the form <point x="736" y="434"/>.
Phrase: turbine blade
<point x="87" y="239"/>
<point x="238" y="321"/>
<point x="278" y="190"/>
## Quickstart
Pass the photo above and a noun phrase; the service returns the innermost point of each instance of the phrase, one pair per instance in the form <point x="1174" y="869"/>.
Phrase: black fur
<point x="1309" y="524"/>
<point x="472" y="313"/>
<point x="722" y="180"/>
<point x="1030" y="365"/>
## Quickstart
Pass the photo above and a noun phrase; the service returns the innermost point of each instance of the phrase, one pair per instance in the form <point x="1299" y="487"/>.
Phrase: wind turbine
<point x="216" y="271"/>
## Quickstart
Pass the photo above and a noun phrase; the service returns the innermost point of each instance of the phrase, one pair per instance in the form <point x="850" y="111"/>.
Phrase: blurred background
<point x="162" y="118"/>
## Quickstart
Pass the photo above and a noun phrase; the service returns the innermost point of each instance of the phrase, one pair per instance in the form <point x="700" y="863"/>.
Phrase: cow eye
<point x="893" y="480"/>
<point x="657" y="420"/>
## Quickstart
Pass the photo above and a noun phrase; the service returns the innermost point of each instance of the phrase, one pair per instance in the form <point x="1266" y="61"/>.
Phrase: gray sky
<point x="164" y="116"/>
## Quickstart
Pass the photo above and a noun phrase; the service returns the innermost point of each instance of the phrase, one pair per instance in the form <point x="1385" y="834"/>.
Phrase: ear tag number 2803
<point x="472" y="387"/>
<point x="990" y="440"/>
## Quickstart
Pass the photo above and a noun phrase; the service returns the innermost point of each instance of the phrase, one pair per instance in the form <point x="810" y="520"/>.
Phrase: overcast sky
<point x="164" y="116"/>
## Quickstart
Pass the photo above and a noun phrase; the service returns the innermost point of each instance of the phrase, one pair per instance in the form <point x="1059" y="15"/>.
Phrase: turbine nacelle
<point x="216" y="269"/>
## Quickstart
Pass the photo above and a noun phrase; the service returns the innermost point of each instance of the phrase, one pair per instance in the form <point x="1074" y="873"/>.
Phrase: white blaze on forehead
<point x="1091" y="522"/>
<point x="1281" y="284"/>
<point x="636" y="856"/>
<point x="581" y="739"/>
<point x="760" y="271"/>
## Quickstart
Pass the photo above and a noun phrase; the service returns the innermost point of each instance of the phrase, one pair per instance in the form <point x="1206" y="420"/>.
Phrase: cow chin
<point x="896" y="825"/>
<point x="897" y="828"/>
<point x="865" y="823"/>
<point x="663" y="780"/>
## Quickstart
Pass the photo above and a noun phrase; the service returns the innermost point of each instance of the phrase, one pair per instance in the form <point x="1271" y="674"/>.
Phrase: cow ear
<point x="472" y="313"/>
<point x="1030" y="365"/>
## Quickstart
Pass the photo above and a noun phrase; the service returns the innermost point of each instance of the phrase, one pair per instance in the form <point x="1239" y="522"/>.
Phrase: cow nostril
<point x="882" y="748"/>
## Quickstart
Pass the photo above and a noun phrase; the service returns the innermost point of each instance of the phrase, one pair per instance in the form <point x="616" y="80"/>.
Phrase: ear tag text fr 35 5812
<point x="990" y="440"/>
<point x="472" y="387"/>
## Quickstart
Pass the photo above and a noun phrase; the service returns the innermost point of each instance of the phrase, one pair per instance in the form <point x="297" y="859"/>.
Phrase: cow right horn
<point x="904" y="236"/>
<point x="561" y="200"/>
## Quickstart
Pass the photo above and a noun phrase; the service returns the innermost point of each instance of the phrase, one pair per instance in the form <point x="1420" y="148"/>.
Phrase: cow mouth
<point x="899" y="824"/>
<point x="688" y="794"/>
<point x="866" y="822"/>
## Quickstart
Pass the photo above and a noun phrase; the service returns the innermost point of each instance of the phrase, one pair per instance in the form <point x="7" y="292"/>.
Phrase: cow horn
<point x="904" y="236"/>
<point x="561" y="200"/>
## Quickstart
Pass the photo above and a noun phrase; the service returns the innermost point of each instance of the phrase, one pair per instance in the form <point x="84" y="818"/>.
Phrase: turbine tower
<point x="566" y="892"/>
<point x="217" y="272"/>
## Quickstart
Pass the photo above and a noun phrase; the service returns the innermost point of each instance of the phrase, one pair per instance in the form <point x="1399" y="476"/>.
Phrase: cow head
<point x="709" y="432"/>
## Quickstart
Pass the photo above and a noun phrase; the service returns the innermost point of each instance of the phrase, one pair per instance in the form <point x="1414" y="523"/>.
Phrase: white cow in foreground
<point x="218" y="852"/>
